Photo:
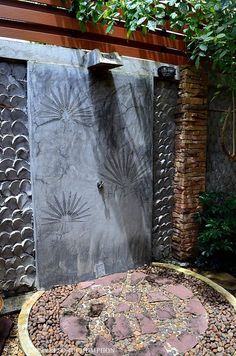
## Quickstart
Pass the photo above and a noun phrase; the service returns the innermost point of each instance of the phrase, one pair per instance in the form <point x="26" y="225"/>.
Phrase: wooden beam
<point x="58" y="3"/>
<point x="65" y="21"/>
<point x="35" y="22"/>
<point x="73" y="42"/>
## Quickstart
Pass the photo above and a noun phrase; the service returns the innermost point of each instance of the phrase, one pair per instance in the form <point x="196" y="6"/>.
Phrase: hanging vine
<point x="230" y="116"/>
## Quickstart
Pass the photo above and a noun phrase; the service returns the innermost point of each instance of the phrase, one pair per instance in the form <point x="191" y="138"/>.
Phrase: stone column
<point x="190" y="159"/>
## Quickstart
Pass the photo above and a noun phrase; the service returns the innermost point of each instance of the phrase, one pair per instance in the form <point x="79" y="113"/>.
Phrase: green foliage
<point x="209" y="26"/>
<point x="217" y="238"/>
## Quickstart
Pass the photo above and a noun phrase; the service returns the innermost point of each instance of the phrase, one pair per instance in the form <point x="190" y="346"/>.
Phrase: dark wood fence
<point x="48" y="21"/>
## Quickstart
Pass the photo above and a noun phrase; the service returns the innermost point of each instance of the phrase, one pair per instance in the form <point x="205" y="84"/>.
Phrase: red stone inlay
<point x="76" y="328"/>
<point x="156" y="296"/>
<point x="119" y="327"/>
<point x="194" y="306"/>
<point x="180" y="291"/>
<point x="137" y="316"/>
<point x="183" y="343"/>
<point x="147" y="325"/>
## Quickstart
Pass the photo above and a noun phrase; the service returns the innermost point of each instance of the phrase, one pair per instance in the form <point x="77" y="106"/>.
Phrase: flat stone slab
<point x="119" y="327"/>
<point x="165" y="312"/>
<point x="75" y="296"/>
<point x="180" y="291"/>
<point x="130" y="314"/>
<point x="122" y="308"/>
<point x="132" y="297"/>
<point x="86" y="284"/>
<point x="137" y="277"/>
<point x="103" y="346"/>
<point x="156" y="296"/>
<point x="183" y="343"/>
<point x="147" y="325"/>
<point x="112" y="278"/>
<point x="198" y="324"/>
<point x="117" y="292"/>
<point x="194" y="306"/>
<point x="156" y="349"/>
<point x="76" y="328"/>
<point x="96" y="293"/>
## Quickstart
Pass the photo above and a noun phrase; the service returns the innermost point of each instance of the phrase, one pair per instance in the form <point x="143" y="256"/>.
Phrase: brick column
<point x="190" y="160"/>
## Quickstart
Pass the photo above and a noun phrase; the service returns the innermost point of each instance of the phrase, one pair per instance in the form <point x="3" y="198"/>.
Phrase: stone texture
<point x="85" y="285"/>
<point x="163" y="146"/>
<point x="156" y="296"/>
<point x="74" y="297"/>
<point x="102" y="345"/>
<point x="137" y="277"/>
<point x="122" y="308"/>
<point x="165" y="312"/>
<point x="199" y="324"/>
<point x="180" y="291"/>
<point x="147" y="325"/>
<point x="96" y="293"/>
<point x="154" y="349"/>
<point x="119" y="327"/>
<point x="182" y="343"/>
<point x="112" y="278"/>
<point x="194" y="306"/>
<point x="132" y="297"/>
<point x="96" y="309"/>
<point x="190" y="159"/>
<point x="76" y="328"/>
<point x="15" y="185"/>
<point x="163" y="281"/>
<point x="117" y="292"/>
<point x="87" y="130"/>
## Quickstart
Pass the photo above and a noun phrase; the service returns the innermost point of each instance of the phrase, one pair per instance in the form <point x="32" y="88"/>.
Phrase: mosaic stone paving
<point x="133" y="314"/>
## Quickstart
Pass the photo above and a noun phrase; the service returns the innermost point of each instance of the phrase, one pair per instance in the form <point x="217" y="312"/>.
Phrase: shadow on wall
<point x="123" y="150"/>
<point x="221" y="170"/>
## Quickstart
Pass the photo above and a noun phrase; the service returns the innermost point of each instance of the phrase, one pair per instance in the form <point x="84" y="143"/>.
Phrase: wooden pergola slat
<point x="34" y="22"/>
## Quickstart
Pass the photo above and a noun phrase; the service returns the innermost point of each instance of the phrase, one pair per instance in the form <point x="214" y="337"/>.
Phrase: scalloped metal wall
<point x="17" y="264"/>
<point x="164" y="146"/>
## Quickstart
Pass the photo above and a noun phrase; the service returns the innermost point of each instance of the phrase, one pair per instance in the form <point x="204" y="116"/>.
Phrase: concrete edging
<point x="228" y="296"/>
<point x="25" y="341"/>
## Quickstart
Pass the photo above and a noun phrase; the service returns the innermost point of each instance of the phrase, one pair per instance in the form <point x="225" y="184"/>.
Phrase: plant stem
<point x="234" y="124"/>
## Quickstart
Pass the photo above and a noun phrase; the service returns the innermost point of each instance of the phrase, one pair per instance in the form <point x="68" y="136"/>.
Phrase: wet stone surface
<point x="164" y="314"/>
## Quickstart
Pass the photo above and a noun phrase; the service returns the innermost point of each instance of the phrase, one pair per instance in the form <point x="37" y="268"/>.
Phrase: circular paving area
<point x="146" y="312"/>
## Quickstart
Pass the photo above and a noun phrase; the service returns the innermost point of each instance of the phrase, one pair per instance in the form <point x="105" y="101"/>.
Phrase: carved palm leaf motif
<point x="63" y="104"/>
<point x="123" y="170"/>
<point x="228" y="133"/>
<point x="68" y="209"/>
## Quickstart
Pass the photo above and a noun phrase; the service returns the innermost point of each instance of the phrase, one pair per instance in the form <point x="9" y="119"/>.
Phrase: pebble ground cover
<point x="146" y="312"/>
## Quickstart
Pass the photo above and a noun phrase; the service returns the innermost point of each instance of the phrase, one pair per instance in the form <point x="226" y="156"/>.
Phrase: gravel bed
<point x="219" y="339"/>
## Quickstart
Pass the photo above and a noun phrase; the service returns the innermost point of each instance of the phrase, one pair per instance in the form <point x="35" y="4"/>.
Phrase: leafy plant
<point x="209" y="26"/>
<point x="217" y="238"/>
